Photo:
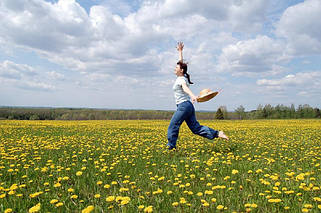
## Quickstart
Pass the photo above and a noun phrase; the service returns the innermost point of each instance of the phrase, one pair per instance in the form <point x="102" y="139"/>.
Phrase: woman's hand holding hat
<point x="206" y="94"/>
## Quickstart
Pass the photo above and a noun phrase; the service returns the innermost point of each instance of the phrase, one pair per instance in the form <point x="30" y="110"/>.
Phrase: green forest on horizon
<point x="262" y="112"/>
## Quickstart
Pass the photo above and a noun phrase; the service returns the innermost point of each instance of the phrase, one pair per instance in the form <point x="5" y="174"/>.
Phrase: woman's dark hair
<point x="183" y="66"/>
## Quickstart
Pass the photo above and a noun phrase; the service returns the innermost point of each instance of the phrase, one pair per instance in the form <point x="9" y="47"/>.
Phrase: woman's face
<point x="178" y="70"/>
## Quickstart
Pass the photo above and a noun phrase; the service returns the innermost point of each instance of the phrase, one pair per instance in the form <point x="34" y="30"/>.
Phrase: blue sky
<point x="121" y="54"/>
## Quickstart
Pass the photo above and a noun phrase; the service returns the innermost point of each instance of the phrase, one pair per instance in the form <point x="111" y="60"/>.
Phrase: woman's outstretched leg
<point x="203" y="131"/>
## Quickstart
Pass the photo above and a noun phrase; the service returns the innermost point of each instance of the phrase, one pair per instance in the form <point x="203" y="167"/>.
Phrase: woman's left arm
<point x="189" y="92"/>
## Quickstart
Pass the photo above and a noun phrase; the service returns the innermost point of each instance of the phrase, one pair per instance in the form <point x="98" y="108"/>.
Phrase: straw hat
<point x="205" y="95"/>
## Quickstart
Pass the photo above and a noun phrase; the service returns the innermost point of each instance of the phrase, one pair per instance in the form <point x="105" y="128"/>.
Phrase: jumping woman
<point x="185" y="110"/>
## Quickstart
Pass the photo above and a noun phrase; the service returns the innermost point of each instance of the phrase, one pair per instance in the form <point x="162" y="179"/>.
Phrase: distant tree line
<point x="277" y="112"/>
<point x="14" y="113"/>
<point x="262" y="112"/>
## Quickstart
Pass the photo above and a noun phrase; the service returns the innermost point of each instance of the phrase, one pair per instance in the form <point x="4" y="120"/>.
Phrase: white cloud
<point x="56" y="75"/>
<point x="240" y="15"/>
<point x="65" y="34"/>
<point x="299" y="83"/>
<point x="38" y="86"/>
<point x="25" y="76"/>
<point x="299" y="79"/>
<point x="301" y="26"/>
<point x="9" y="69"/>
<point x="262" y="55"/>
<point x="248" y="15"/>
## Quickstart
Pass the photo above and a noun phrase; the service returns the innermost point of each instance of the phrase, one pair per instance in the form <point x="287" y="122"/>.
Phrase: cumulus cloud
<point x="55" y="75"/>
<point x="25" y="77"/>
<point x="300" y="82"/>
<point x="242" y="15"/>
<point x="64" y="33"/>
<point x="38" y="86"/>
<point x="300" y="24"/>
<point x="9" y="69"/>
<point x="262" y="55"/>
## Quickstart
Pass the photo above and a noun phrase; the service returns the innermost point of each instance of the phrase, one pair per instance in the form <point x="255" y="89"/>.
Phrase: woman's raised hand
<point x="180" y="46"/>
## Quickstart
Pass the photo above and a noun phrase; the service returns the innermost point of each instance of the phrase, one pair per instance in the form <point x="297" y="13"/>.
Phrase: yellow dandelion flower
<point x="59" y="204"/>
<point x="308" y="206"/>
<point x="113" y="183"/>
<point x="182" y="200"/>
<point x="35" y="208"/>
<point x="300" y="176"/>
<point x="213" y="200"/>
<point x="259" y="171"/>
<point x="3" y="195"/>
<point x="7" y="210"/>
<point x="317" y="199"/>
<point x="305" y="210"/>
<point x="97" y="196"/>
<point x="57" y="185"/>
<point x="53" y="201"/>
<point x="175" y="204"/>
<point x="286" y="207"/>
<point x="319" y="206"/>
<point x="140" y="207"/>
<point x="274" y="200"/>
<point x="208" y="192"/>
<point x="253" y="205"/>
<point x="79" y="173"/>
<point x="88" y="209"/>
<point x="161" y="178"/>
<point x="169" y="192"/>
<point x="148" y="209"/>
<point x="99" y="182"/>
<point x="124" y="202"/>
<point x="289" y="192"/>
<point x="74" y="196"/>
<point x="205" y="204"/>
<point x="70" y="190"/>
<point x="199" y="194"/>
<point x="106" y="186"/>
<point x="123" y="189"/>
<point x="220" y="207"/>
<point x="110" y="198"/>
<point x="234" y="171"/>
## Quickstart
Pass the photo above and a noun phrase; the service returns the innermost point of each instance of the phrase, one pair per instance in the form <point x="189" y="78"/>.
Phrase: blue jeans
<point x="186" y="112"/>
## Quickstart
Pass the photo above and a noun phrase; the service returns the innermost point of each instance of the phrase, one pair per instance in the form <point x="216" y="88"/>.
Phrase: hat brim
<point x="207" y="97"/>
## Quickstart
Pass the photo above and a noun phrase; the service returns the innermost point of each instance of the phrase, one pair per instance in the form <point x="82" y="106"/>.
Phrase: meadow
<point x="124" y="166"/>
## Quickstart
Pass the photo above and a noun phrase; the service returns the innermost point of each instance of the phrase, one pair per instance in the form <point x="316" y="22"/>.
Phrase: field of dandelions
<point x="124" y="166"/>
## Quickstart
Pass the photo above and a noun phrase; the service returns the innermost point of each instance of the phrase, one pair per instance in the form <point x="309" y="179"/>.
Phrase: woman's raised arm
<point x="180" y="46"/>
